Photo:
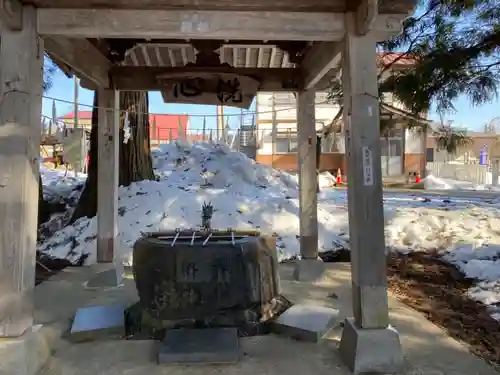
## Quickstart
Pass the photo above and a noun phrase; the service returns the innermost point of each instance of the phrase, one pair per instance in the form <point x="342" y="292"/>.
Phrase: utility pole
<point x="274" y="130"/>
<point x="75" y="99"/>
<point x="75" y="123"/>
<point x="220" y="122"/>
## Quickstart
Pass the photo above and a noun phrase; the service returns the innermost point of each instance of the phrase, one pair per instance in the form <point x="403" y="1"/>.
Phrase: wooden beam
<point x="11" y="14"/>
<point x="326" y="56"/>
<point x="83" y="58"/>
<point x="190" y="24"/>
<point x="366" y="14"/>
<point x="21" y="59"/>
<point x="387" y="26"/>
<point x="107" y="179"/>
<point x="128" y="78"/>
<point x="322" y="58"/>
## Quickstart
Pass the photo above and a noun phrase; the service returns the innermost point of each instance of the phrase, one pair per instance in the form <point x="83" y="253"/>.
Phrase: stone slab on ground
<point x="106" y="275"/>
<point x="306" y="322"/>
<point x="428" y="349"/>
<point x="95" y="322"/>
<point x="200" y="346"/>
<point x="25" y="355"/>
<point x="308" y="270"/>
<point x="376" y="351"/>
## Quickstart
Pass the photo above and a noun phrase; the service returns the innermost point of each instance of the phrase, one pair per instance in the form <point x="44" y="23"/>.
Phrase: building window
<point x="286" y="143"/>
<point x="390" y="147"/>
<point x="429" y="154"/>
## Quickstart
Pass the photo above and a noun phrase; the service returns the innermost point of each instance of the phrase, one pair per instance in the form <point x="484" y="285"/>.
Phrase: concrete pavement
<point x="428" y="349"/>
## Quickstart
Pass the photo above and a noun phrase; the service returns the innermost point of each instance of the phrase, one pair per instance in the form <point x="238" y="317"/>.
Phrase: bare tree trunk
<point x="135" y="155"/>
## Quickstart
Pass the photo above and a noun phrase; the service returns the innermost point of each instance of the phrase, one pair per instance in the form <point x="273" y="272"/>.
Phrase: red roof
<point x="387" y="58"/>
<point x="161" y="126"/>
<point x="82" y="115"/>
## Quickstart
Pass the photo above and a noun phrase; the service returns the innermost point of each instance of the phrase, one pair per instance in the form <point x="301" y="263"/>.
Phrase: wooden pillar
<point x="307" y="175"/>
<point x="21" y="62"/>
<point x="107" y="179"/>
<point x="368" y="343"/>
<point x="366" y="215"/>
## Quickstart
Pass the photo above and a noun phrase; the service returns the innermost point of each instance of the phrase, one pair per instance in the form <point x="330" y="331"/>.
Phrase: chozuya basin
<point x="200" y="274"/>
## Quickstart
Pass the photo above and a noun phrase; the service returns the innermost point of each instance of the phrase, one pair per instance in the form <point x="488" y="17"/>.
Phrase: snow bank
<point x="245" y="195"/>
<point x="434" y="183"/>
<point x="59" y="185"/>
<point x="249" y="195"/>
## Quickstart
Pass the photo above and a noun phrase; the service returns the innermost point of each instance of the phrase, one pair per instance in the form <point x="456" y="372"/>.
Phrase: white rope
<point x="248" y="113"/>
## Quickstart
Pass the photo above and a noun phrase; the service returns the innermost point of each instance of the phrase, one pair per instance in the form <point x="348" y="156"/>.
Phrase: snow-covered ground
<point x="59" y="185"/>
<point x="434" y="183"/>
<point x="248" y="195"/>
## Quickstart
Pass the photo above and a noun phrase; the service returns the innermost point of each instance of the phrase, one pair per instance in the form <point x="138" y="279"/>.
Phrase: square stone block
<point x="94" y="322"/>
<point x="25" y="355"/>
<point x="106" y="275"/>
<point x="371" y="351"/>
<point x="306" y="322"/>
<point x="308" y="270"/>
<point x="200" y="346"/>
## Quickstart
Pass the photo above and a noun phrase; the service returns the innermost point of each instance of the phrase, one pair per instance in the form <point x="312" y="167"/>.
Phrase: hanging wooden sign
<point x="226" y="89"/>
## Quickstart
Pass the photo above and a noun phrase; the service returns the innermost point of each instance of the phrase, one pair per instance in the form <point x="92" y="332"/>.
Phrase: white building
<point x="402" y="151"/>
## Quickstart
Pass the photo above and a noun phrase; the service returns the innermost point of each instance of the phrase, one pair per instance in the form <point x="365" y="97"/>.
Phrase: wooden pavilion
<point x="275" y="45"/>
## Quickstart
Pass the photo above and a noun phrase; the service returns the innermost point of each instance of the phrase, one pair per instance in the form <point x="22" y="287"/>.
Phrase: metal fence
<point x="243" y="140"/>
<point x="474" y="173"/>
<point x="285" y="140"/>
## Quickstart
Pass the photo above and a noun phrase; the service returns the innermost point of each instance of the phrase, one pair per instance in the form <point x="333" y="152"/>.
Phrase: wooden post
<point x="21" y="61"/>
<point x="366" y="215"/>
<point x="107" y="179"/>
<point x="307" y="176"/>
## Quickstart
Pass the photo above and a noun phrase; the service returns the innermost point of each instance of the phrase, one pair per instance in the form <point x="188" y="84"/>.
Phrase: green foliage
<point x="450" y="139"/>
<point x="49" y="68"/>
<point x="456" y="47"/>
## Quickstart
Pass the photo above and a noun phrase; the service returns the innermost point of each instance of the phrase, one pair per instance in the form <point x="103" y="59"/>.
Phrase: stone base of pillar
<point x="106" y="275"/>
<point x="375" y="351"/>
<point x="25" y="355"/>
<point x="308" y="270"/>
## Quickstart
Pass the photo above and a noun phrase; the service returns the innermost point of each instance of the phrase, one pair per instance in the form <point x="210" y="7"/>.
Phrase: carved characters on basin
<point x="200" y="282"/>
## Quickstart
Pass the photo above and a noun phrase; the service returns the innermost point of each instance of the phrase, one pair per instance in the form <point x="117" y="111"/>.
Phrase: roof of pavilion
<point x="136" y="63"/>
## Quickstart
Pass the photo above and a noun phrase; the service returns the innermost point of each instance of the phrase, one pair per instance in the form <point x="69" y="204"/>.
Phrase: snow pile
<point x="245" y="195"/>
<point x="249" y="195"/>
<point x="480" y="262"/>
<point x="61" y="186"/>
<point x="434" y="183"/>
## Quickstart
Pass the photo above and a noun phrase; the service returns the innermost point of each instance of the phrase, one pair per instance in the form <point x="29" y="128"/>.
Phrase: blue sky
<point x="467" y="116"/>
